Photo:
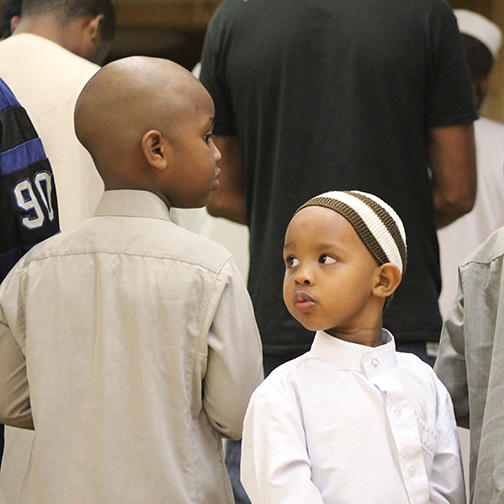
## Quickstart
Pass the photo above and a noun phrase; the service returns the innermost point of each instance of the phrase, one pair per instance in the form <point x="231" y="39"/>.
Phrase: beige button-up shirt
<point x="132" y="345"/>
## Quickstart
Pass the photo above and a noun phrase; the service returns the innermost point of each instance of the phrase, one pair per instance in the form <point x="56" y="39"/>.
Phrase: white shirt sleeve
<point x="446" y="482"/>
<point x="234" y="364"/>
<point x="275" y="466"/>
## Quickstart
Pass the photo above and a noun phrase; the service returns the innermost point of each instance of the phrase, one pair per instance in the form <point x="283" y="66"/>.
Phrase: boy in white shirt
<point x="351" y="421"/>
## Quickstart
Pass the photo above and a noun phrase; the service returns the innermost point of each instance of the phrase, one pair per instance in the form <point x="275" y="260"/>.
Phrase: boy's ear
<point x="93" y="28"/>
<point x="154" y="149"/>
<point x="388" y="279"/>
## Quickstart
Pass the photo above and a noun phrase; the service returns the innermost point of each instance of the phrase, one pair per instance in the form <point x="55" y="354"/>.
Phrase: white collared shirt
<point x="346" y="423"/>
<point x="137" y="344"/>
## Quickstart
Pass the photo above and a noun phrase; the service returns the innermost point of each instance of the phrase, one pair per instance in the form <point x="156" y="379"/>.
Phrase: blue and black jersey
<point x="28" y="206"/>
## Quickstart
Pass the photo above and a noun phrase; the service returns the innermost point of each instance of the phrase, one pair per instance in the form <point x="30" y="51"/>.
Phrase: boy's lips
<point x="216" y="181"/>
<point x="303" y="300"/>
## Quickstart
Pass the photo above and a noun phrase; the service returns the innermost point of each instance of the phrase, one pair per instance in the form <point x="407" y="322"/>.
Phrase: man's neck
<point x="43" y="25"/>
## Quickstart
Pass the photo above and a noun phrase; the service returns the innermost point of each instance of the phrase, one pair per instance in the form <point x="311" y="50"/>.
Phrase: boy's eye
<point x="207" y="137"/>
<point x="291" y="262"/>
<point x="326" y="259"/>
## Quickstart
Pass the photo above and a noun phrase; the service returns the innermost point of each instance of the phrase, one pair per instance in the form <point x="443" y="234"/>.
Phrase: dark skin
<point x="452" y="157"/>
<point x="135" y="117"/>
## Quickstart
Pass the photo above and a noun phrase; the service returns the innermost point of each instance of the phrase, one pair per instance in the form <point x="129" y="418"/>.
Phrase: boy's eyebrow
<point x="329" y="245"/>
<point x="289" y="245"/>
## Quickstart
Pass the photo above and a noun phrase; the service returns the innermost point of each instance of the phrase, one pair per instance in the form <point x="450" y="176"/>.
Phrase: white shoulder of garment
<point x="41" y="71"/>
<point x="346" y="423"/>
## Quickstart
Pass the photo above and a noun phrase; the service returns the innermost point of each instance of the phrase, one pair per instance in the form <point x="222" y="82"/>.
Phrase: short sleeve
<point x="213" y="77"/>
<point x="449" y="100"/>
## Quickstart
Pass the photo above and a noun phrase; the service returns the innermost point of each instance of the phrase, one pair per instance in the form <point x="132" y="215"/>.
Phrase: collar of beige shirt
<point x="132" y="203"/>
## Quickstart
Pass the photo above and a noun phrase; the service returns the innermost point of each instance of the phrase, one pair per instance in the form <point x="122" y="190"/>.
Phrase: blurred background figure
<point x="11" y="13"/>
<point x="28" y="205"/>
<point x="312" y="97"/>
<point x="482" y="41"/>
<point x="46" y="62"/>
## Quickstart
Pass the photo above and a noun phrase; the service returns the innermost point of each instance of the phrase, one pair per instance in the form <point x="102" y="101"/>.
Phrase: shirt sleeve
<point x="213" y="78"/>
<point x="449" y="100"/>
<point x="234" y="363"/>
<point x="450" y="364"/>
<point x="14" y="393"/>
<point x="275" y="466"/>
<point x="446" y="482"/>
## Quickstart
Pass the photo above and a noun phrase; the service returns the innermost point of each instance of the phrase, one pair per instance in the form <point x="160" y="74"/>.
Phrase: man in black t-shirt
<point x="319" y="96"/>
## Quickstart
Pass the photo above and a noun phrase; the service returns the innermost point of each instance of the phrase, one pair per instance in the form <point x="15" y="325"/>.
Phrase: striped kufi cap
<point x="377" y="224"/>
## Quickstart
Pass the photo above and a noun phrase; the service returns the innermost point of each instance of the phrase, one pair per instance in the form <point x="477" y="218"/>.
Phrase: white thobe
<point x="345" y="424"/>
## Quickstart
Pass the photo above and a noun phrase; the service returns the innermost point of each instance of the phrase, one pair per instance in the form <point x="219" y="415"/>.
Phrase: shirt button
<point x="375" y="362"/>
<point x="412" y="471"/>
<point x="397" y="410"/>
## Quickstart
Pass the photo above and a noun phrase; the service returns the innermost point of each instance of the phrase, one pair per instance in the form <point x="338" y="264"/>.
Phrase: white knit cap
<point x="376" y="223"/>
<point x="479" y="27"/>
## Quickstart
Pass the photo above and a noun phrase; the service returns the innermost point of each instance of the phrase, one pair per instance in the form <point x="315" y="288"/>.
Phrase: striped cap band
<point x="376" y="223"/>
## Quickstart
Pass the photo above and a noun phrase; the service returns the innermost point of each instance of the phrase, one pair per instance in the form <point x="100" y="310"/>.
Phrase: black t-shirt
<point x="334" y="95"/>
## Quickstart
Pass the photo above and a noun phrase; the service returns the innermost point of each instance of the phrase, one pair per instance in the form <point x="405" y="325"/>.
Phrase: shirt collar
<point x="354" y="357"/>
<point x="132" y="203"/>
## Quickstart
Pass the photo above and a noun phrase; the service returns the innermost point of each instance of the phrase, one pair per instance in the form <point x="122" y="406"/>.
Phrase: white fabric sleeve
<point x="275" y="466"/>
<point x="234" y="363"/>
<point x="446" y="482"/>
<point x="14" y="394"/>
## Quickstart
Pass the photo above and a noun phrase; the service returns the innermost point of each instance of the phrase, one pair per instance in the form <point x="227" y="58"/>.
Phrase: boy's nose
<point x="217" y="154"/>
<point x="304" y="276"/>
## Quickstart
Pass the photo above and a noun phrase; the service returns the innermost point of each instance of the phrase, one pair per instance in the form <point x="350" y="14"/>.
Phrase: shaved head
<point x="124" y="100"/>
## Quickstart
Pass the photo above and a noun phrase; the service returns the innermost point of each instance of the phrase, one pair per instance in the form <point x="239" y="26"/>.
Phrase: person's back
<point x="28" y="205"/>
<point x="138" y="336"/>
<point x="336" y="94"/>
<point x="46" y="69"/>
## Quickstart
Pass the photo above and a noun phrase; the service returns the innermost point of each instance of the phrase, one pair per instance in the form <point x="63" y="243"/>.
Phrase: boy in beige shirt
<point x="129" y="344"/>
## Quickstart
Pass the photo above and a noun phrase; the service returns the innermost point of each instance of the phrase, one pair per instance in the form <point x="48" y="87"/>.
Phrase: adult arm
<point x="234" y="362"/>
<point x="453" y="163"/>
<point x="450" y="364"/>
<point x="229" y="199"/>
<point x="275" y="466"/>
<point x="446" y="481"/>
